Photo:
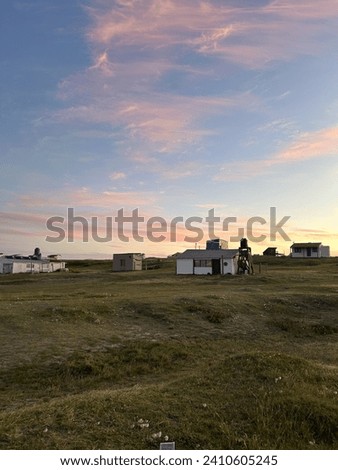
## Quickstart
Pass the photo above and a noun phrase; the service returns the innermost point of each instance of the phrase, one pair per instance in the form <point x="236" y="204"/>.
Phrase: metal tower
<point x="245" y="265"/>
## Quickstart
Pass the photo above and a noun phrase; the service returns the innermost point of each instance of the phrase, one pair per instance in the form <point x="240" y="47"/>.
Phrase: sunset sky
<point x="171" y="107"/>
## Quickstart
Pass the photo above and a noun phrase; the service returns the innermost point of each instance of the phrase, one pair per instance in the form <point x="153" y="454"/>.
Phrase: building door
<point x="7" y="268"/>
<point x="308" y="251"/>
<point x="216" y="266"/>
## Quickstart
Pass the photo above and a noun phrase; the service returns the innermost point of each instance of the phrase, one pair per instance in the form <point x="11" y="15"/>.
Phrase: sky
<point x="173" y="112"/>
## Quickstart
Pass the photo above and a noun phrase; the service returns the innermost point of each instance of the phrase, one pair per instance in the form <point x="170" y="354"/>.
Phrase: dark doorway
<point x="308" y="251"/>
<point x="216" y="266"/>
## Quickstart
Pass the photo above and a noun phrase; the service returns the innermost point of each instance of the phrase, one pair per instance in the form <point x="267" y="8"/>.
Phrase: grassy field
<point x="92" y="359"/>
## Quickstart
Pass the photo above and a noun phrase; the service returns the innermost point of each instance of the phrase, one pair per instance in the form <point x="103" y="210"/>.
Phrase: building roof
<point x="306" y="245"/>
<point x="128" y="254"/>
<point x="207" y="254"/>
<point x="28" y="260"/>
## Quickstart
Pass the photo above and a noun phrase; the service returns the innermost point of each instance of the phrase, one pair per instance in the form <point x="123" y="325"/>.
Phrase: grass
<point x="92" y="359"/>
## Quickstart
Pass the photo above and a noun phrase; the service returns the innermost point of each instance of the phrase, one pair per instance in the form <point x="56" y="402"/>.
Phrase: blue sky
<point x="173" y="107"/>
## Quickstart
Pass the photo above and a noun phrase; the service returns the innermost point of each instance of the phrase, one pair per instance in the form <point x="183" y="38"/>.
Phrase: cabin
<point x="127" y="262"/>
<point x="309" y="250"/>
<point x="207" y="261"/>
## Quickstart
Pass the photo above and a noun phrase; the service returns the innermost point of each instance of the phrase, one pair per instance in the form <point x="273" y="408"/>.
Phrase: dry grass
<point x="93" y="359"/>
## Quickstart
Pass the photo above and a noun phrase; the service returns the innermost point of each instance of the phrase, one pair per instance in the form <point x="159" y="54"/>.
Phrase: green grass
<point x="92" y="359"/>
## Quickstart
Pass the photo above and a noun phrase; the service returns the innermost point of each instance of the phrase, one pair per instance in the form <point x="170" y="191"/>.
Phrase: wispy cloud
<point x="20" y="229"/>
<point x="162" y="119"/>
<point x="305" y="9"/>
<point x="168" y="170"/>
<point x="175" y="120"/>
<point x="22" y="217"/>
<point x="211" y="205"/>
<point x="307" y="146"/>
<point x="117" y="175"/>
<point x="259" y="32"/>
<point x="87" y="198"/>
<point x="103" y="64"/>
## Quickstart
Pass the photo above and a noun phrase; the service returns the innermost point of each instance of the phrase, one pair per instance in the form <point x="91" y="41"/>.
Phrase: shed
<point x="127" y="261"/>
<point x="271" y="251"/>
<point x="207" y="262"/>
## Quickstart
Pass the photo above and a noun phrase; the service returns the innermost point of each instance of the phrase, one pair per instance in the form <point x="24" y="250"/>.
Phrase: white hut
<point x="14" y="264"/>
<point x="207" y="262"/>
<point x="309" y="250"/>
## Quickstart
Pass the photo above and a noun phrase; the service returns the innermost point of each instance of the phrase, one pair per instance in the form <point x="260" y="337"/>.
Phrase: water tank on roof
<point x="37" y="253"/>
<point x="244" y="244"/>
<point x="212" y="244"/>
<point x="216" y="244"/>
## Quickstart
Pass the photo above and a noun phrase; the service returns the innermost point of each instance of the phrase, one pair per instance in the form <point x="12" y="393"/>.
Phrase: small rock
<point x="144" y="425"/>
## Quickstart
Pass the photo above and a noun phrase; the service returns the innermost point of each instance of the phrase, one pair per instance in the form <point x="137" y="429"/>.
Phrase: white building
<point x="309" y="250"/>
<point x="24" y="264"/>
<point x="207" y="262"/>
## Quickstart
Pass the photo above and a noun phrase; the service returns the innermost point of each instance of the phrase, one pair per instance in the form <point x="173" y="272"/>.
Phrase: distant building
<point x="174" y="255"/>
<point x="271" y="251"/>
<point x="151" y="263"/>
<point x="207" y="262"/>
<point x="127" y="261"/>
<point x="309" y="250"/>
<point x="14" y="264"/>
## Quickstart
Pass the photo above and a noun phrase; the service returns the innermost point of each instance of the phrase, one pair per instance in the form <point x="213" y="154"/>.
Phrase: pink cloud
<point x="84" y="197"/>
<point x="22" y="217"/>
<point x="103" y="64"/>
<point x="28" y="219"/>
<point x="21" y="231"/>
<point x="151" y="22"/>
<point x="168" y="170"/>
<point x="117" y="175"/>
<point x="307" y="146"/>
<point x="169" y="120"/>
<point x="303" y="9"/>
<point x="322" y="143"/>
<point x="172" y="120"/>
<point x="278" y="30"/>
<point x="111" y="75"/>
